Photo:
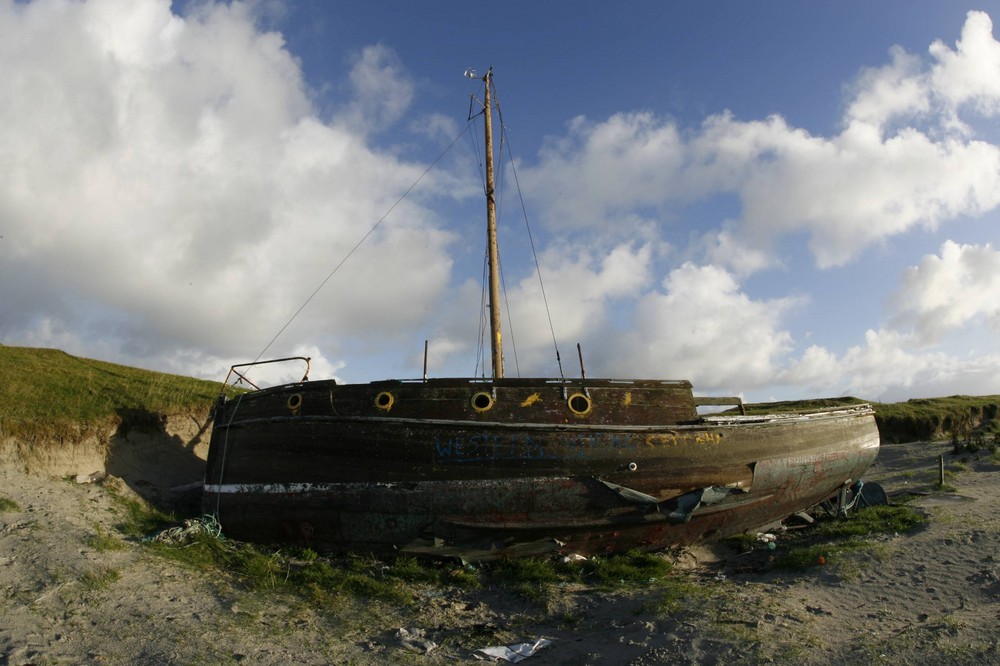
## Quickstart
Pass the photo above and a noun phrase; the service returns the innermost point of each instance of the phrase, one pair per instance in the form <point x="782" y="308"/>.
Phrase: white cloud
<point x="166" y="184"/>
<point x="856" y="190"/>
<point x="882" y="93"/>
<point x="702" y="327"/>
<point x="889" y="366"/>
<point x="581" y="284"/>
<point x="947" y="291"/>
<point x="382" y="90"/>
<point x="724" y="249"/>
<point x="895" y="165"/>
<point x="885" y="368"/>
<point x="817" y="367"/>
<point x="847" y="192"/>
<point x="970" y="74"/>
<point x="599" y="170"/>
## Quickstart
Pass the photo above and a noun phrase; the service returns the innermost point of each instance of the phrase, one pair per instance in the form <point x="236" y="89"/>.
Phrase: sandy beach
<point x="928" y="597"/>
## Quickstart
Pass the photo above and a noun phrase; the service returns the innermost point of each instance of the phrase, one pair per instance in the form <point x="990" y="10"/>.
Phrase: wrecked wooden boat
<point x="503" y="467"/>
<point x="516" y="466"/>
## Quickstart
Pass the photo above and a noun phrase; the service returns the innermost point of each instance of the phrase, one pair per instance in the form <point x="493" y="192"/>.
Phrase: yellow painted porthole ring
<point x="294" y="403"/>
<point x="384" y="400"/>
<point x="579" y="404"/>
<point x="482" y="401"/>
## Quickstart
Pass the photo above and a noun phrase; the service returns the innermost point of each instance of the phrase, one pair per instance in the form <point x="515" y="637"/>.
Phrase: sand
<point x="926" y="597"/>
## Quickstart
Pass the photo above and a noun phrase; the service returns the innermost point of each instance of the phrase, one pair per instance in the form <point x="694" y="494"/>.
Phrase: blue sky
<point x="779" y="200"/>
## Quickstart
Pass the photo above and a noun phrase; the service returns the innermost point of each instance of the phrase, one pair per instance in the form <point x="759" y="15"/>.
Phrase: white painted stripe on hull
<point x="279" y="488"/>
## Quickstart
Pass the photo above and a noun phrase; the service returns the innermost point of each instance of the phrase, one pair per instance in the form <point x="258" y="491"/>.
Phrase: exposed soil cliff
<point x="151" y="453"/>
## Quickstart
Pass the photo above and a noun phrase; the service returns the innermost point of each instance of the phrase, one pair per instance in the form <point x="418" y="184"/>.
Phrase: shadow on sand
<point x="159" y="464"/>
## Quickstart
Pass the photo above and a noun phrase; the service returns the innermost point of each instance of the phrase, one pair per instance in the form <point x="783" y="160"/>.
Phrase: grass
<point x="49" y="396"/>
<point x="536" y="580"/>
<point x="137" y="518"/>
<point x="327" y="580"/>
<point x="104" y="542"/>
<point x="99" y="578"/>
<point x="46" y="393"/>
<point x="831" y="538"/>
<point x="936" y="418"/>
<point x="800" y="405"/>
<point x="318" y="579"/>
<point x="7" y="504"/>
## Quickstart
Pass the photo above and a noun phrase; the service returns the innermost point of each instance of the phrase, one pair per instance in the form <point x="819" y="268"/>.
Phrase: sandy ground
<point x="928" y="597"/>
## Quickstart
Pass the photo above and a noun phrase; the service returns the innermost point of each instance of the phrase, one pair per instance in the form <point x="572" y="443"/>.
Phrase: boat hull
<point x="633" y="466"/>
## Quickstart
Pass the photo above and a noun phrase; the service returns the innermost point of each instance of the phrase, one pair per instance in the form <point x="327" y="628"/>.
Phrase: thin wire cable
<point x="503" y="281"/>
<point x="361" y="242"/>
<point x="481" y="346"/>
<point x="531" y="240"/>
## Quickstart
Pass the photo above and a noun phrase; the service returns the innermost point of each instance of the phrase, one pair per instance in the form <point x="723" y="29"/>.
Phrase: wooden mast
<point x="491" y="236"/>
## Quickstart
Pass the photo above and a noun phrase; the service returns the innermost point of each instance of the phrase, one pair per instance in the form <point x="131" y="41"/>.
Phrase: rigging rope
<point x="531" y="239"/>
<point x="503" y="281"/>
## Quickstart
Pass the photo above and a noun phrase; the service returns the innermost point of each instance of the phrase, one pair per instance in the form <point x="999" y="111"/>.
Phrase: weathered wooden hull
<point x="515" y="467"/>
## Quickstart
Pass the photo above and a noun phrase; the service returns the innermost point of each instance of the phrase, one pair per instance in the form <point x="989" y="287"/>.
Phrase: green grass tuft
<point x="529" y="578"/>
<point x="830" y="538"/>
<point x="631" y="569"/>
<point x="7" y="504"/>
<point x="104" y="542"/>
<point x="138" y="519"/>
<point x="100" y="578"/>
<point x="535" y="579"/>
<point x="303" y="573"/>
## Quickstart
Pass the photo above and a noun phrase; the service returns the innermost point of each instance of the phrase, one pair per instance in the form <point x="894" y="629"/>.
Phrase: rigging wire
<point x="503" y="281"/>
<point x="481" y="345"/>
<point x="361" y="242"/>
<point x="531" y="240"/>
<point x="483" y="317"/>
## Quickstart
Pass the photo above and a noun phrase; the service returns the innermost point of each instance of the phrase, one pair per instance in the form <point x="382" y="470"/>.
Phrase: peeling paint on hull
<point x="330" y="467"/>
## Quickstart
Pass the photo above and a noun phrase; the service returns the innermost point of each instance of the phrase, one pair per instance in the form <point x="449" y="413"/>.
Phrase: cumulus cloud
<point x="969" y="74"/>
<point x="581" y="287"/>
<point x="166" y="185"/>
<point x="895" y="165"/>
<point x="890" y="366"/>
<point x="600" y="169"/>
<point x="897" y="89"/>
<point x="701" y="326"/>
<point x="946" y="291"/>
<point x="382" y="90"/>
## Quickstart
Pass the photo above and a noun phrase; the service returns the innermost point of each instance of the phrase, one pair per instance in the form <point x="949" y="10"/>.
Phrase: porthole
<point x="482" y="401"/>
<point x="384" y="400"/>
<point x="294" y="403"/>
<point x="579" y="404"/>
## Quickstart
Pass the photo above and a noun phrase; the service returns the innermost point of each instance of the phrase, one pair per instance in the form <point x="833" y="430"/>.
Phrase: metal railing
<point x="241" y="377"/>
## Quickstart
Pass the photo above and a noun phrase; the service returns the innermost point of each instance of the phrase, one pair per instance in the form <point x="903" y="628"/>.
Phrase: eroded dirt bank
<point x="150" y="453"/>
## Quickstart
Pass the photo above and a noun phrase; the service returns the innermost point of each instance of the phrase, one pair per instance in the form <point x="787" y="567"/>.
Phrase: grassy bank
<point x="954" y="417"/>
<point x="49" y="393"/>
